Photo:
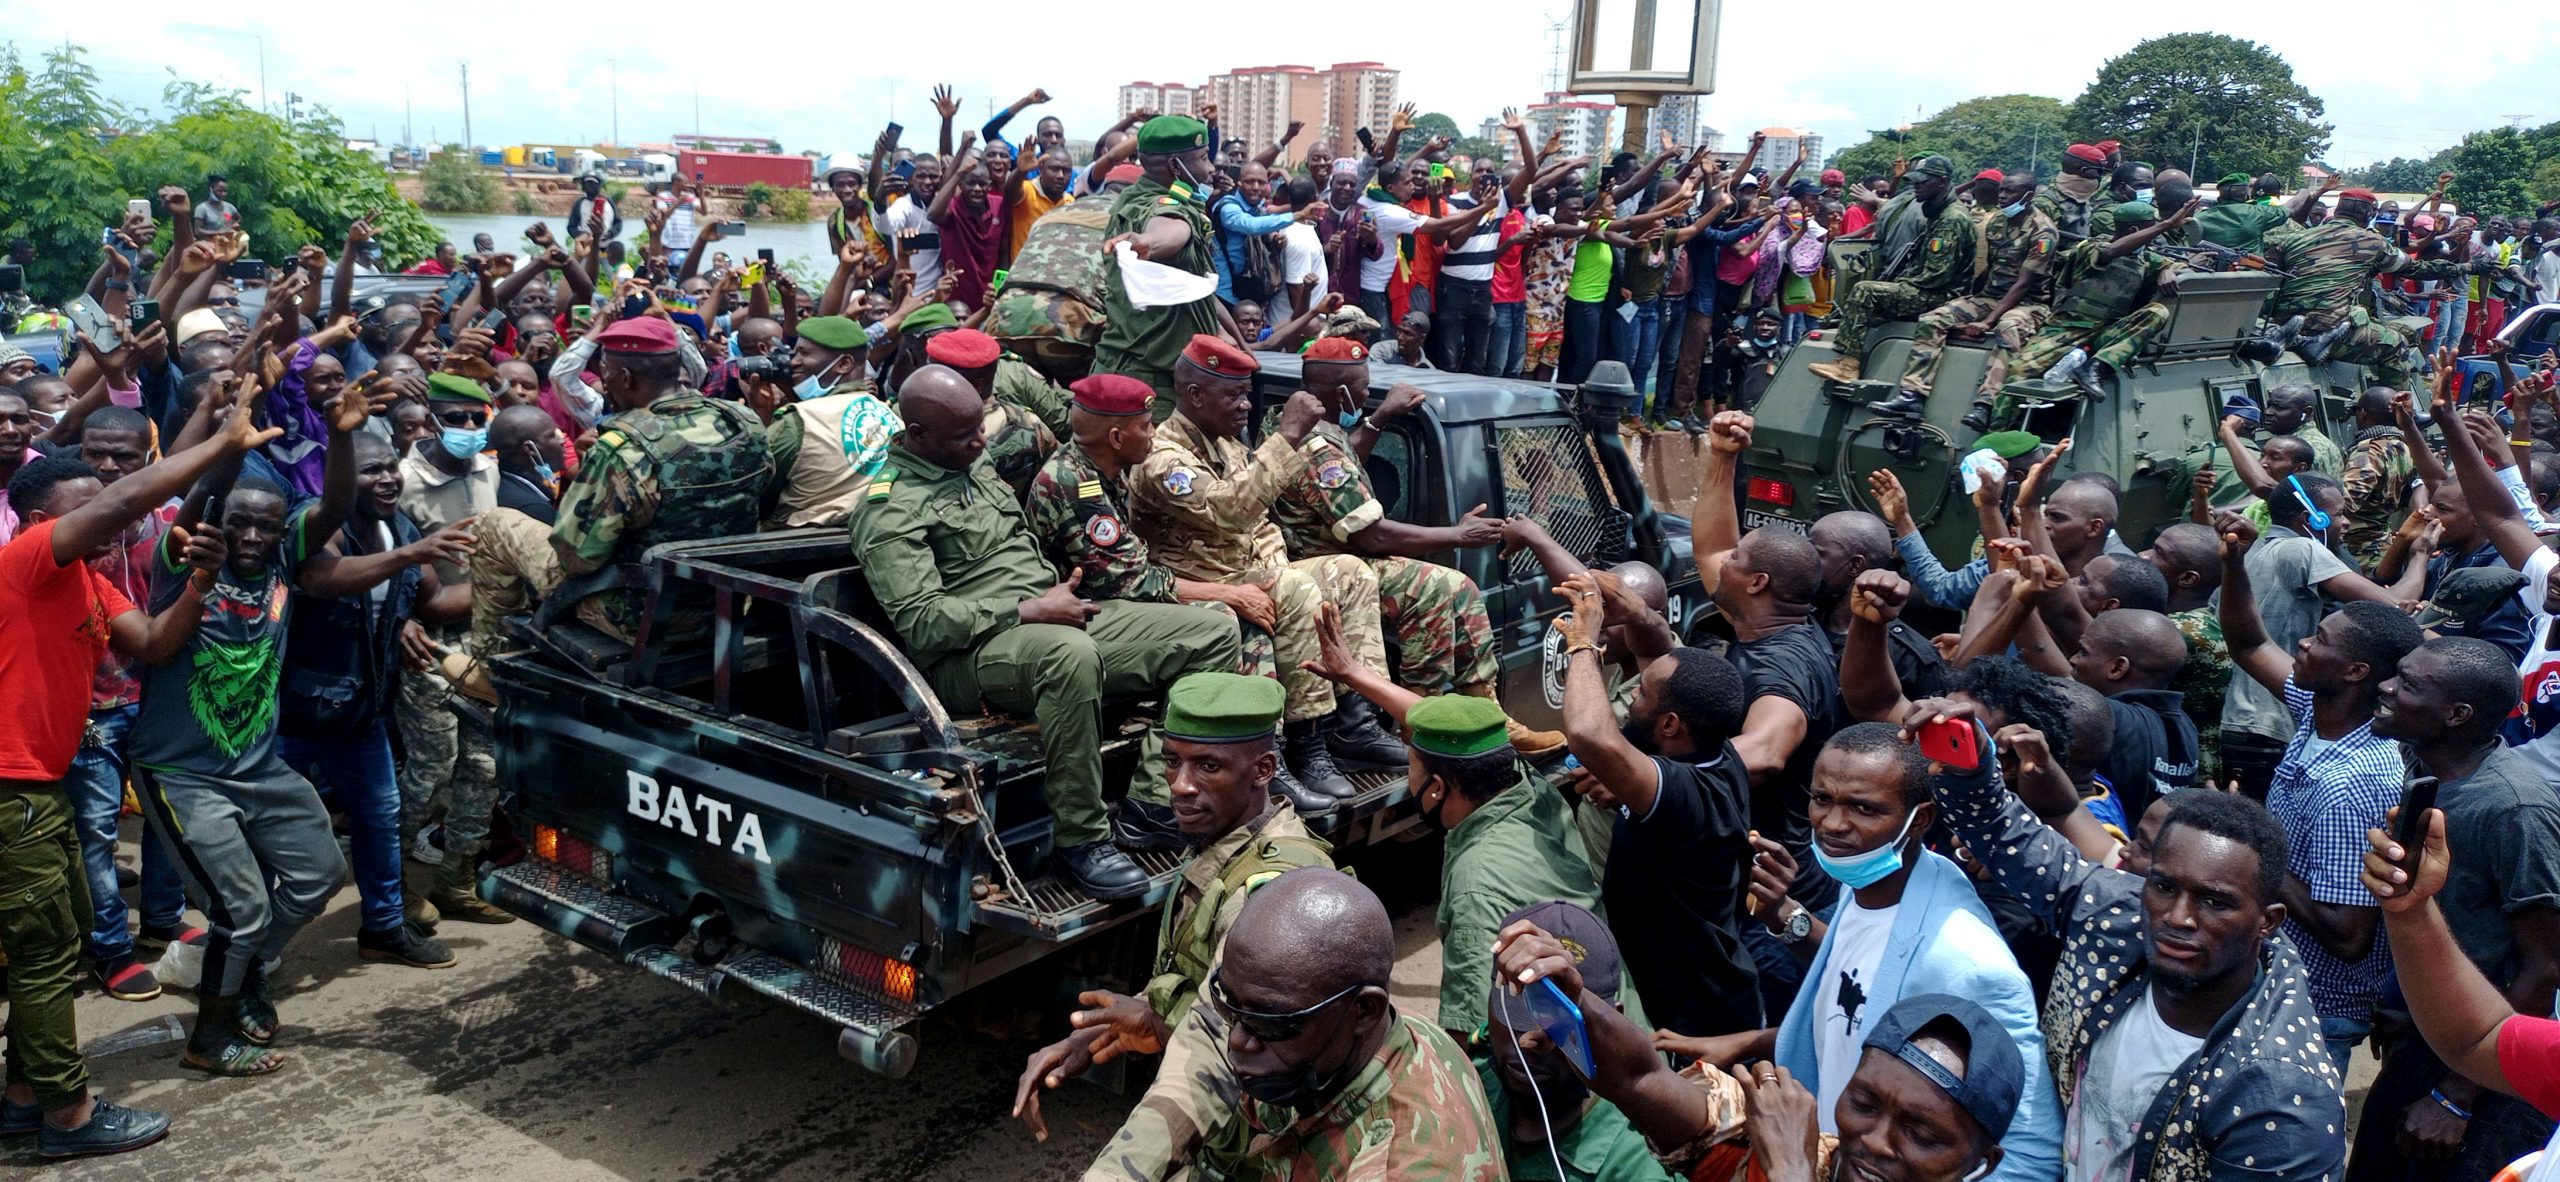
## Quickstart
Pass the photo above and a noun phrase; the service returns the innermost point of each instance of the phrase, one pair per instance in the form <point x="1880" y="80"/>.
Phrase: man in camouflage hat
<point x="1923" y="257"/>
<point x="1051" y="309"/>
<point x="1328" y="510"/>
<point x="1203" y="502"/>
<point x="1077" y="508"/>
<point x="1221" y="766"/>
<point x="2105" y="304"/>
<point x="954" y="566"/>
<point x="674" y="465"/>
<point x="2329" y="271"/>
<point x="1018" y="442"/>
<point x="2012" y="301"/>
<point x="830" y="433"/>
<point x="1164" y="218"/>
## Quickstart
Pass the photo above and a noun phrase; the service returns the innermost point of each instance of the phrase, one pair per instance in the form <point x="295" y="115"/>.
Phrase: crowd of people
<point x="2105" y="882"/>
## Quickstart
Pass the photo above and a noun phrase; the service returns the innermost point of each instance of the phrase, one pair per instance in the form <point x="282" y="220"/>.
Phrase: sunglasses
<point x="1267" y="1027"/>
<point x="224" y="301"/>
<point x="462" y="418"/>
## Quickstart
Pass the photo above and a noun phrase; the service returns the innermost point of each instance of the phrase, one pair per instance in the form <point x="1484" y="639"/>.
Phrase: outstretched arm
<point x="126" y="501"/>
<point x="2244" y="632"/>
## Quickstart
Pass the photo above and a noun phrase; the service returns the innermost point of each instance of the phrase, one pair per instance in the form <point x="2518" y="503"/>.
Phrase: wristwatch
<point x="1796" y="926"/>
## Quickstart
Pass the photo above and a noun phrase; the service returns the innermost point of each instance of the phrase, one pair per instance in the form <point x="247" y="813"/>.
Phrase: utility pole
<point x="467" y="145"/>
<point x="2192" y="150"/>
<point x="2035" y="148"/>
<point x="615" y="65"/>
<point x="262" y="74"/>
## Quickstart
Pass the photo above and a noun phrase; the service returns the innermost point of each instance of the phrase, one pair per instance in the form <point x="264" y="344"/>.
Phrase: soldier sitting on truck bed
<point x="2104" y="308"/>
<point x="1923" y="256"/>
<point x="1203" y="502"/>
<point x="1222" y="769"/>
<point x="1018" y="441"/>
<point x="1443" y="640"/>
<point x="832" y="434"/>
<point x="2013" y="301"/>
<point x="953" y="564"/>
<point x="2329" y="271"/>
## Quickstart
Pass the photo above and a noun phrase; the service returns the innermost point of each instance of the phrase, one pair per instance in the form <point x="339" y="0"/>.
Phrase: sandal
<point x="236" y="1058"/>
<point x="254" y="1012"/>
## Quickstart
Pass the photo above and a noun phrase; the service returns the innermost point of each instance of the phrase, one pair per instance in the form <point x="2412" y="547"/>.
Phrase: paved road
<point x="537" y="1059"/>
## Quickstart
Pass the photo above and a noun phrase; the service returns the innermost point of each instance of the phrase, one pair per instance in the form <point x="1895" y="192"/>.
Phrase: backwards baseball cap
<point x="1585" y="938"/>
<point x="2466" y="596"/>
<point x="1995" y="1074"/>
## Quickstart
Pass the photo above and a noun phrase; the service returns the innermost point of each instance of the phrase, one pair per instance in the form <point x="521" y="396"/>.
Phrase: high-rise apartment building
<point x="1585" y="124"/>
<point x="1781" y="146"/>
<point x="1678" y="115"/>
<point x="1164" y="98"/>
<point x="1257" y="103"/>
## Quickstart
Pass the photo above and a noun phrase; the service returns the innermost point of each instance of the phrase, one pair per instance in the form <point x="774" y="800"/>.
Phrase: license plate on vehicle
<point x="1754" y="519"/>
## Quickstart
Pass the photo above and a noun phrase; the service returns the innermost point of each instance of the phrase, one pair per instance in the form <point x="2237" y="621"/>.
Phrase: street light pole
<point x="615" y="65"/>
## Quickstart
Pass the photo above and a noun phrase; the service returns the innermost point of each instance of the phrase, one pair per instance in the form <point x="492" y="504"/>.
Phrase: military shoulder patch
<point x="1332" y="475"/>
<point x="1104" y="530"/>
<point x="1178" y="482"/>
<point x="1089" y="490"/>
<point x="612" y="439"/>
<point x="883" y="483"/>
<point x="1937" y="244"/>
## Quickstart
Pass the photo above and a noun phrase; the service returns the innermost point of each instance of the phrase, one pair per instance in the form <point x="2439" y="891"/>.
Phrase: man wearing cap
<point x="1923" y="258"/>
<point x="2019" y="243"/>
<point x="2076" y="200"/>
<point x="851" y="220"/>
<point x="1329" y="511"/>
<point x="1017" y="441"/>
<point x="1539" y="1098"/>
<point x="591" y="213"/>
<point x="832" y="436"/>
<point x="1203" y="502"/>
<point x="2329" y="271"/>
<point x="2104" y="308"/>
<point x="1164" y="218"/>
<point x="957" y="570"/>
<point x="1221" y="767"/>
<point x="447" y="479"/>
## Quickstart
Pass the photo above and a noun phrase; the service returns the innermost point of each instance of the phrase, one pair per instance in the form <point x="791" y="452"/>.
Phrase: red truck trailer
<point x="740" y="169"/>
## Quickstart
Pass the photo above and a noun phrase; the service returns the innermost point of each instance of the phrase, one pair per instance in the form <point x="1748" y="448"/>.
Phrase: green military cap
<point x="1457" y="725"/>
<point x="1222" y="708"/>
<point x="929" y="318"/>
<point x="453" y="387"/>
<point x="1936" y="166"/>
<point x="2009" y="445"/>
<point x="1167" y="134"/>
<point x="2237" y="178"/>
<point x="2136" y="212"/>
<point x="833" y="332"/>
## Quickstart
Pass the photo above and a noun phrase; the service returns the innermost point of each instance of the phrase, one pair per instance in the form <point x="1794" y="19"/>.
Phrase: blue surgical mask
<point x="1871" y="867"/>
<point x="463" y="444"/>
<point x="543" y="471"/>
<point x="809" y="389"/>
<point x="2142" y="195"/>
<point x="1349" y="419"/>
<point x="2013" y="209"/>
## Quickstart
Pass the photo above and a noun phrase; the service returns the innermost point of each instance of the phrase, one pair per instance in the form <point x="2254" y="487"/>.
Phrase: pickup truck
<point x="779" y="807"/>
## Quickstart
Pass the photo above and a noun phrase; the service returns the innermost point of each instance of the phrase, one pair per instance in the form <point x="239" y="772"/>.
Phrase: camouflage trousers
<point x="447" y="757"/>
<point x="2010" y="334"/>
<point x="1443" y="639"/>
<point x="1347" y="583"/>
<point x="1195" y="1088"/>
<point x="512" y="567"/>
<point x="1871" y="302"/>
<point x="2113" y="343"/>
<point x="2379" y="347"/>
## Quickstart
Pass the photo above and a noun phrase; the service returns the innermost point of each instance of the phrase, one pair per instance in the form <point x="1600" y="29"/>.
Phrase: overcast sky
<point x="827" y="80"/>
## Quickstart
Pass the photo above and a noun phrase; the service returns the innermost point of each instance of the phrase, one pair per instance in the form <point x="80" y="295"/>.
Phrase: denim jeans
<point x="1635" y="341"/>
<point x="1586" y="340"/>
<point x="1670" y="314"/>
<point x="2343" y="1035"/>
<point x="1380" y="309"/>
<point x="1510" y="338"/>
<point x="356" y="770"/>
<point x="2450" y="317"/>
<point x="96" y="788"/>
<point x="1462" y="329"/>
<point x="1793" y="325"/>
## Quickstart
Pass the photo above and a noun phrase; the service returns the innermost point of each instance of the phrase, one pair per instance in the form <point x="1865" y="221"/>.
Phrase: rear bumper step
<point x="870" y="1030"/>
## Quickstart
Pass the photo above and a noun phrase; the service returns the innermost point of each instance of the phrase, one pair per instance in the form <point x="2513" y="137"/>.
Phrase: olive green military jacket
<point x="946" y="553"/>
<point x="1519" y="848"/>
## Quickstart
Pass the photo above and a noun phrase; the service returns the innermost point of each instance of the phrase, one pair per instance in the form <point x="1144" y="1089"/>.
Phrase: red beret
<point x="1833" y="176"/>
<point x="1337" y="349"/>
<point x="2356" y="195"/>
<point x="639" y="334"/>
<point x="1989" y="174"/>
<point x="962" y="348"/>
<point x="2085" y="153"/>
<point x="1112" y="394"/>
<point x="2109" y="147"/>
<point x="1219" y="356"/>
<point x="1124" y="174"/>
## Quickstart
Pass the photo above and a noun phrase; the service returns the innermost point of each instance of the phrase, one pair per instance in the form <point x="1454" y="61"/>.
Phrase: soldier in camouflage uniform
<point x="2378" y="468"/>
<point x="1218" y="731"/>
<point x="446" y="757"/>
<point x="2077" y="201"/>
<point x="1050" y="311"/>
<point x="2104" y="310"/>
<point x="1336" y="1082"/>
<point x="1164" y="217"/>
<point x="1019" y="382"/>
<point x="2012" y="301"/>
<point x="1925" y="258"/>
<point x="1202" y="501"/>
<point x="2329" y="271"/>
<point x="1018" y="441"/>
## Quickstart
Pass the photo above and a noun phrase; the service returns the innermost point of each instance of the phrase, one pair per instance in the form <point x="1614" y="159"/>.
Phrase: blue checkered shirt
<point x="2326" y="803"/>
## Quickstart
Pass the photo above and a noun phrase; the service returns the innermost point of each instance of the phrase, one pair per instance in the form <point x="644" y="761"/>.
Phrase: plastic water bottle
<point x="150" y="1034"/>
<point x="1574" y="761"/>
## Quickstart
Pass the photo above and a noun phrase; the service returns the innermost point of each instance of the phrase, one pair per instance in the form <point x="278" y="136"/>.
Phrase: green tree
<point x="2546" y="182"/>
<point x="1480" y="148"/>
<point x="452" y="181"/>
<point x="1430" y="124"/>
<point x="2401" y="174"/>
<point x="2223" y="103"/>
<point x="759" y="195"/>
<point x="2010" y="132"/>
<point x="791" y="204"/>
<point x="2492" y="173"/>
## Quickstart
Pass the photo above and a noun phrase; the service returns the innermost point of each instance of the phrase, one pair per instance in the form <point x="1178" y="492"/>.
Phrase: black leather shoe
<point x="1353" y="734"/>
<point x="1978" y="418"/>
<point x="2086" y="377"/>
<point x="1143" y="825"/>
<point x="1302" y="752"/>
<point x="1904" y="404"/>
<point x="1101" y="870"/>
<point x="1308" y="803"/>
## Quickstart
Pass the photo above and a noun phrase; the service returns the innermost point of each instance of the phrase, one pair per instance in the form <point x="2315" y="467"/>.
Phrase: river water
<point x="804" y="241"/>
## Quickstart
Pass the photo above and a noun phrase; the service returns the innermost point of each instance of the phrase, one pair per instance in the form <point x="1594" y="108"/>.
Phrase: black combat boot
<point x="1979" y="418"/>
<point x="1903" y="404"/>
<point x="1302" y="752"/>
<point x="1308" y="803"/>
<point x="1101" y="870"/>
<point x="1144" y="825"/>
<point x="1353" y="734"/>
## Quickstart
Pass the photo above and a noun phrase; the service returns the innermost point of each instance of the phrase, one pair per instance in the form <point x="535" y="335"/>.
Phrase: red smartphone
<point x="1950" y="741"/>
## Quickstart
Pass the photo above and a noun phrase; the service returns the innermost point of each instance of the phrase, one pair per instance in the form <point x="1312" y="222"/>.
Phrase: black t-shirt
<point x="524" y="496"/>
<point x="2155" y="751"/>
<point x="1796" y="663"/>
<point x="1674" y="889"/>
<point x="1916" y="663"/>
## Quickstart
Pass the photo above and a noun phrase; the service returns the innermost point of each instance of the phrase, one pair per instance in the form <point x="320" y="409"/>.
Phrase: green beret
<point x="1167" y="134"/>
<point x="928" y="318"/>
<point x="2009" y="445"/>
<point x="1458" y="725"/>
<point x="1936" y="166"/>
<point x="2136" y="212"/>
<point x="453" y="387"/>
<point x="1222" y="708"/>
<point x="2237" y="178"/>
<point x="834" y="332"/>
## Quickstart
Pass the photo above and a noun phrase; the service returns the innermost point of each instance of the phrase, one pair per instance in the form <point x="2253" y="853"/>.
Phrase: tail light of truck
<point x="1773" y="492"/>
<point x="887" y="975"/>
<point x="575" y="854"/>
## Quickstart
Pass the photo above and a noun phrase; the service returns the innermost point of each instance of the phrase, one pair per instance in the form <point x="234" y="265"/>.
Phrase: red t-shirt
<point x="53" y="628"/>
<point x="970" y="240"/>
<point x="1855" y="218"/>
<point x="1509" y="285"/>
<point x="2529" y="1056"/>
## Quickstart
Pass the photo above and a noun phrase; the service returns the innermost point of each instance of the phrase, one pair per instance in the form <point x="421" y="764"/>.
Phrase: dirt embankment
<point x="554" y="192"/>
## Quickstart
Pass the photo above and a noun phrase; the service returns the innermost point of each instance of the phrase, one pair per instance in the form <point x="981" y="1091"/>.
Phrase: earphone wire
<point x="1504" y="996"/>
